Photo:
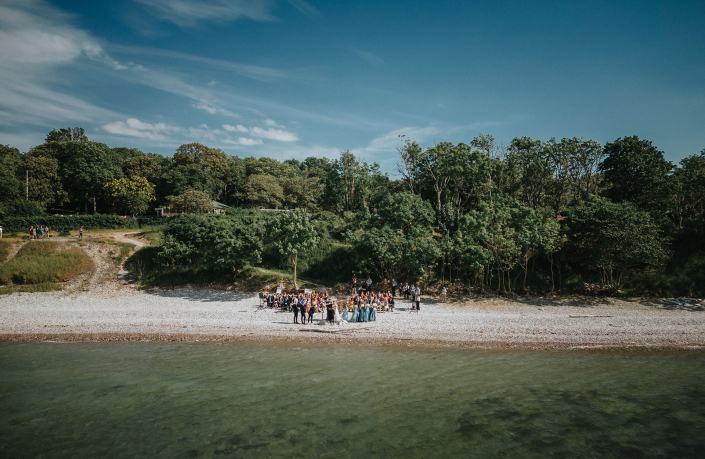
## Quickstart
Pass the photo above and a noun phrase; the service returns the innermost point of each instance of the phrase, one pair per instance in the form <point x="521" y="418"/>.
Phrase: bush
<point x="21" y="208"/>
<point x="214" y="242"/>
<point x="72" y="222"/>
<point x="39" y="262"/>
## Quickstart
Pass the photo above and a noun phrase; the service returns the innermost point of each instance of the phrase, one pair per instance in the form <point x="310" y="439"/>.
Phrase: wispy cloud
<point x="306" y="8"/>
<point x="369" y="57"/>
<point x="238" y="128"/>
<point x="270" y="133"/>
<point x="214" y="110"/>
<point x="244" y="141"/>
<point x="136" y="128"/>
<point x="36" y="40"/>
<point x="189" y="13"/>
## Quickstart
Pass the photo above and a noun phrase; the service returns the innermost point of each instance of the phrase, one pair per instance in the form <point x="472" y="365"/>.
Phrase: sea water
<point x="146" y="400"/>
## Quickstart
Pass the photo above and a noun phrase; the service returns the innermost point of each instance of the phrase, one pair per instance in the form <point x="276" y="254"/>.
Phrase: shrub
<point x="71" y="222"/>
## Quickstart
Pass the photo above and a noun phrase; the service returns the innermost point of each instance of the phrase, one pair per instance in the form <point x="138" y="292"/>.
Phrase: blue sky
<point x="292" y="78"/>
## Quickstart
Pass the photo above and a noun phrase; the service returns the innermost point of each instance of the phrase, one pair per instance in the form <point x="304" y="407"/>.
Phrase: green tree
<point x="178" y="179"/>
<point x="398" y="240"/>
<point x="66" y="135"/>
<point x="264" y="191"/>
<point x="635" y="171"/>
<point x="301" y="192"/>
<point x="130" y="196"/>
<point x="191" y="201"/>
<point x="214" y="162"/>
<point x="531" y="171"/>
<point x="142" y="166"/>
<point x="575" y="162"/>
<point x="617" y="241"/>
<point x="44" y="185"/>
<point x="85" y="167"/>
<point x="11" y="187"/>
<point x="687" y="189"/>
<point x="293" y="234"/>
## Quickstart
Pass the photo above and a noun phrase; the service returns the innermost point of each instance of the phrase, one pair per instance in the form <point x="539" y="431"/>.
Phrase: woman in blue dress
<point x="355" y="314"/>
<point x="367" y="312"/>
<point x="373" y="313"/>
<point x="361" y="316"/>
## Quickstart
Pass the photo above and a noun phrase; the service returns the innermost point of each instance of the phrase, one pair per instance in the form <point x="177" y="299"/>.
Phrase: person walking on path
<point x="394" y="288"/>
<point x="418" y="302"/>
<point x="80" y="234"/>
<point x="444" y="294"/>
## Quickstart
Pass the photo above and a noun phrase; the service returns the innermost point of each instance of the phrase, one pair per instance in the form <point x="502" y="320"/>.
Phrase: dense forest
<point x="531" y="215"/>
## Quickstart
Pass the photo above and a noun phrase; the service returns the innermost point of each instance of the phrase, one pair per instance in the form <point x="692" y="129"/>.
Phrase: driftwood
<point x="580" y="316"/>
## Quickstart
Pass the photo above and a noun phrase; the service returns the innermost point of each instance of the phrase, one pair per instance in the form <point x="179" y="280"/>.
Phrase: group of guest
<point x="361" y="306"/>
<point x="303" y="304"/>
<point x="38" y="232"/>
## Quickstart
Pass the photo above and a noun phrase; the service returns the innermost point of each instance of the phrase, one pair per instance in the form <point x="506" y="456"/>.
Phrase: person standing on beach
<point x="296" y="313"/>
<point x="369" y="284"/>
<point x="394" y="288"/>
<point x="80" y="234"/>
<point x="354" y="283"/>
<point x="311" y="310"/>
<point x="418" y="302"/>
<point x="0" y="232"/>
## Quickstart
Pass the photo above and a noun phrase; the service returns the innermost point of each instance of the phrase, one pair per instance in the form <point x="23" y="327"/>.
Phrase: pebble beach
<point x="216" y="315"/>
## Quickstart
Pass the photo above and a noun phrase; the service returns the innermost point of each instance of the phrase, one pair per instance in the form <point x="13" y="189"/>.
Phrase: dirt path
<point x="104" y="277"/>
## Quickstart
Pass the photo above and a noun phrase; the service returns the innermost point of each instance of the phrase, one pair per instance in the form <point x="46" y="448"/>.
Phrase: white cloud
<point x="246" y="141"/>
<point x="214" y="110"/>
<point x="271" y="133"/>
<point x="238" y="128"/>
<point x="274" y="134"/>
<point x="188" y="13"/>
<point x="306" y="8"/>
<point x="37" y="39"/>
<point x="369" y="57"/>
<point x="272" y="123"/>
<point x="136" y="128"/>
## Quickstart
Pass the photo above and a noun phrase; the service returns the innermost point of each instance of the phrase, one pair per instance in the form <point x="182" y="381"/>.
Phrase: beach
<point x="189" y="314"/>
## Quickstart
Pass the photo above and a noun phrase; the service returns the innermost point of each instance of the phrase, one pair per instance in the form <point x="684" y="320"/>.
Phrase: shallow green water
<point x="246" y="400"/>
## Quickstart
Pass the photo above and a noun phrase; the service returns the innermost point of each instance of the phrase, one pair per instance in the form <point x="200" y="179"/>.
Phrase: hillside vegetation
<point x="530" y="216"/>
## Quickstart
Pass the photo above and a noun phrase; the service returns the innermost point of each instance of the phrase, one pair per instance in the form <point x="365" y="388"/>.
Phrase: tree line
<point x="530" y="214"/>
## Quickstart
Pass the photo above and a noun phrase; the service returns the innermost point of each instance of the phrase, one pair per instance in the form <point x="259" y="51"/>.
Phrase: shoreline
<point x="189" y="315"/>
<point x="393" y="343"/>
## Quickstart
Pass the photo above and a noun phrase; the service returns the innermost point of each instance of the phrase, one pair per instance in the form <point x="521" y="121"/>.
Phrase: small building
<point x="216" y="208"/>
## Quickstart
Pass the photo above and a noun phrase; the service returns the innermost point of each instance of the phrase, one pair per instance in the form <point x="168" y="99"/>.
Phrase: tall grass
<point x="4" y="249"/>
<point x="152" y="235"/>
<point x="124" y="249"/>
<point x="45" y="262"/>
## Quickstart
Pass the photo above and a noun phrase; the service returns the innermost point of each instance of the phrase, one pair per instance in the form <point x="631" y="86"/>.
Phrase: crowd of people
<point x="362" y="306"/>
<point x="38" y="232"/>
